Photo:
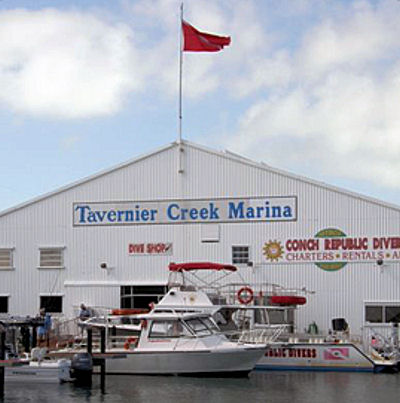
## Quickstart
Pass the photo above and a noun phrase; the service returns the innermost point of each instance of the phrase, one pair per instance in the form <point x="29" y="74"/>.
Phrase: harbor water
<point x="274" y="386"/>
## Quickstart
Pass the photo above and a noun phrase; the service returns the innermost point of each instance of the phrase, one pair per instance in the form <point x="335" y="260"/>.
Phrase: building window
<point x="240" y="254"/>
<point x="133" y="296"/>
<point x="210" y="233"/>
<point x="51" y="303"/>
<point x="3" y="304"/>
<point x="382" y="313"/>
<point x="51" y="258"/>
<point x="6" y="258"/>
<point x="392" y="314"/>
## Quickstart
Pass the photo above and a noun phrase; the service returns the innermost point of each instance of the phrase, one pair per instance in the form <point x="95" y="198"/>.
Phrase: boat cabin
<point x="164" y="330"/>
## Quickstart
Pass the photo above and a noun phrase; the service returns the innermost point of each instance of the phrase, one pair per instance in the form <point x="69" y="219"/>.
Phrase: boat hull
<point x="320" y="357"/>
<point x="202" y="362"/>
<point x="47" y="372"/>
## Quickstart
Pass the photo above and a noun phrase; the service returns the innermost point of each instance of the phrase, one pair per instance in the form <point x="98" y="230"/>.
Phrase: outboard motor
<point x="82" y="368"/>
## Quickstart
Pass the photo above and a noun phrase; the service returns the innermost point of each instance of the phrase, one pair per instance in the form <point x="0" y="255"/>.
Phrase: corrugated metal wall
<point x="48" y="222"/>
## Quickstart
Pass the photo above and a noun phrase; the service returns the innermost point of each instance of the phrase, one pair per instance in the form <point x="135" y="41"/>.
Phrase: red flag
<point x="196" y="41"/>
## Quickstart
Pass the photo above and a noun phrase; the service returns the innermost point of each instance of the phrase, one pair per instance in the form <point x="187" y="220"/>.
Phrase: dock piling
<point x="103" y="361"/>
<point x="2" y="357"/>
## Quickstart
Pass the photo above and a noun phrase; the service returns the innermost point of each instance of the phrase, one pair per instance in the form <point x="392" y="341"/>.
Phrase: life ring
<point x="245" y="295"/>
<point x="129" y="341"/>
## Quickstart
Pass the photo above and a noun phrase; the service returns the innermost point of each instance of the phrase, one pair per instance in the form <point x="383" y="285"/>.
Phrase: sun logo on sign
<point x="273" y="250"/>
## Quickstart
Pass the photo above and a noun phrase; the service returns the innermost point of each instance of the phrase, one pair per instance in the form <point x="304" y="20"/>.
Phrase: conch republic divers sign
<point x="331" y="249"/>
<point x="227" y="210"/>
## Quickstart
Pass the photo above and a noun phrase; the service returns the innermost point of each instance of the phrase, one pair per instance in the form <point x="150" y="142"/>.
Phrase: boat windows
<point x="210" y="324"/>
<point x="167" y="329"/>
<point x="141" y="296"/>
<point x="201" y="326"/>
<point x="275" y="316"/>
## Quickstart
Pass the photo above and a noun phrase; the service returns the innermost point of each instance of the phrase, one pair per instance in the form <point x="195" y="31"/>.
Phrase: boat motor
<point x="82" y="368"/>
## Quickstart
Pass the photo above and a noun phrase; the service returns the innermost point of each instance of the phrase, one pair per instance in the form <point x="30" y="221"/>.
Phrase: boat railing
<point x="381" y="341"/>
<point x="95" y="310"/>
<point x="230" y="293"/>
<point x="322" y="337"/>
<point x="128" y="342"/>
<point x="112" y="342"/>
<point x="64" y="331"/>
<point x="266" y="335"/>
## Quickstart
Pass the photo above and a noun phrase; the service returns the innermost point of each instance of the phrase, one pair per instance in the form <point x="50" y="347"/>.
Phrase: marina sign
<point x="331" y="249"/>
<point x="235" y="210"/>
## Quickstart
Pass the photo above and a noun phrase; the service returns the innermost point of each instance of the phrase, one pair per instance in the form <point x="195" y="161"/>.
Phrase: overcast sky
<point x="307" y="86"/>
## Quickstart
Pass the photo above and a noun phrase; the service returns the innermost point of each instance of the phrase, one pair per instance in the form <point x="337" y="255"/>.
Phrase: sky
<point x="307" y="86"/>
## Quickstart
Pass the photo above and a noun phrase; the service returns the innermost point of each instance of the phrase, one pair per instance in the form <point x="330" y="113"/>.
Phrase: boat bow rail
<point x="262" y="336"/>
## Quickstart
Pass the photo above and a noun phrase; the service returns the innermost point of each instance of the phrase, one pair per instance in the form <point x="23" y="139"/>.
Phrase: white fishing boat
<point x="178" y="343"/>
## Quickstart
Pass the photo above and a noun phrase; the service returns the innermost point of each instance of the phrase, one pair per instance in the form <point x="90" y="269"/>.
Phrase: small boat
<point x="181" y="344"/>
<point x="48" y="371"/>
<point x="29" y="367"/>
<point x="36" y="368"/>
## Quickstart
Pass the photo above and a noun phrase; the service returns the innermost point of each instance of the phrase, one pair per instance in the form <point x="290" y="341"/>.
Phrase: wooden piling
<point x="89" y="340"/>
<point x="103" y="361"/>
<point x="2" y="357"/>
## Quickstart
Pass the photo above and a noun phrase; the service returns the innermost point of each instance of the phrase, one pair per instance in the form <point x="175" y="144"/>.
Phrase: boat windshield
<point x="202" y="326"/>
<point x="168" y="329"/>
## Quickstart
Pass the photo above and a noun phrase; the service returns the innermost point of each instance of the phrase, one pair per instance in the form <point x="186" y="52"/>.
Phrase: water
<point x="275" y="387"/>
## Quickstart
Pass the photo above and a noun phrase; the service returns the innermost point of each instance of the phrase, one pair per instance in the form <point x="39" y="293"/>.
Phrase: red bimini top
<point x="180" y="267"/>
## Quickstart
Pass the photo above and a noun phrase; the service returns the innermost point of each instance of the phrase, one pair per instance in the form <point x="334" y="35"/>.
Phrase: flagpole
<point x="180" y="148"/>
<point x="180" y="77"/>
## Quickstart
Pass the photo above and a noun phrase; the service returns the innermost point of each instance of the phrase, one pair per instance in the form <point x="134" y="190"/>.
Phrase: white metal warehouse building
<point x="107" y="240"/>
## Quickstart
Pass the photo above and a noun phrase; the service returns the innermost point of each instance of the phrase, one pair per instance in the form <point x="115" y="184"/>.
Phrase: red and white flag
<point x="196" y="41"/>
<point x="336" y="353"/>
